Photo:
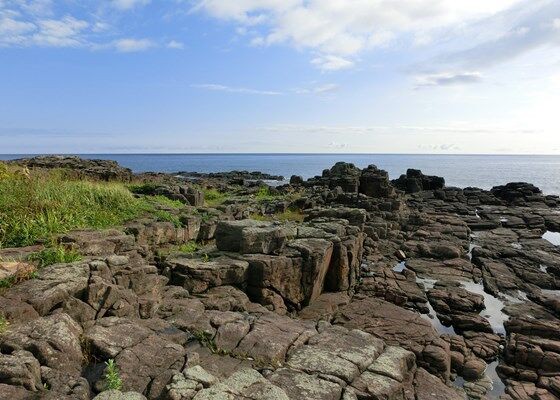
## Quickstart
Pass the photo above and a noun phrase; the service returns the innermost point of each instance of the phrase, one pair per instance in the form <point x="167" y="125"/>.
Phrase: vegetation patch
<point x="3" y="324"/>
<point x="37" y="206"/>
<point x="206" y="340"/>
<point x="112" y="377"/>
<point x="55" y="255"/>
<point x="214" y="197"/>
<point x="266" y="194"/>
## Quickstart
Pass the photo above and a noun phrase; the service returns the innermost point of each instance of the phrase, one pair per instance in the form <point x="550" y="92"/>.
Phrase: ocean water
<point x="483" y="171"/>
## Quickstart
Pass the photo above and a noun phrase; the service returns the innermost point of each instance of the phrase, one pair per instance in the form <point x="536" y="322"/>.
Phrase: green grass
<point x="38" y="206"/>
<point x="112" y="377"/>
<point x="164" y="201"/>
<point x="188" y="248"/>
<point x="3" y="324"/>
<point x="265" y="194"/>
<point x="214" y="197"/>
<point x="54" y="255"/>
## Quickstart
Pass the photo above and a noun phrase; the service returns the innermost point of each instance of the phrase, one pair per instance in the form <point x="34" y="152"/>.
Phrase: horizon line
<point x="278" y="154"/>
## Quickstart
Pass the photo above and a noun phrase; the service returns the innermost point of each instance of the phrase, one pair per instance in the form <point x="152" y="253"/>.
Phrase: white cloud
<point x="229" y="89"/>
<point x="132" y="45"/>
<point x="174" y="44"/>
<point x="10" y="26"/>
<point x="63" y="32"/>
<point x="340" y="30"/>
<point x="330" y="62"/>
<point x="129" y="4"/>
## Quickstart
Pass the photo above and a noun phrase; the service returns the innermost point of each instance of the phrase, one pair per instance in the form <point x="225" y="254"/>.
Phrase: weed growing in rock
<point x="55" y="255"/>
<point x="265" y="193"/>
<point x="3" y="324"/>
<point x="206" y="340"/>
<point x="188" y="248"/>
<point x="112" y="377"/>
<point x="213" y="197"/>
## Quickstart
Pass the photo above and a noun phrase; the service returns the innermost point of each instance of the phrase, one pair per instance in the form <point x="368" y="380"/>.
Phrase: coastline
<point x="345" y="284"/>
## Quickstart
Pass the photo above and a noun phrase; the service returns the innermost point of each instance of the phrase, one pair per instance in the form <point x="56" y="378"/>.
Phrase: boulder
<point x="198" y="275"/>
<point x="375" y="183"/>
<point x="20" y="369"/>
<point x="53" y="340"/>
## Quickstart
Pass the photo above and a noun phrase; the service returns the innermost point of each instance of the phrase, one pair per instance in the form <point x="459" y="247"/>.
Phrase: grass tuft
<point x="112" y="377"/>
<point x="3" y="323"/>
<point x="214" y="197"/>
<point x="55" y="255"/>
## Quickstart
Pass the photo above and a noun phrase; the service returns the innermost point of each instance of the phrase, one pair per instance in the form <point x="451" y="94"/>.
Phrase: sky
<point x="280" y="76"/>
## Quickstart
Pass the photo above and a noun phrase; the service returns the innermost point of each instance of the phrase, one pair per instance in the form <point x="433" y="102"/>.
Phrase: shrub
<point x="112" y="377"/>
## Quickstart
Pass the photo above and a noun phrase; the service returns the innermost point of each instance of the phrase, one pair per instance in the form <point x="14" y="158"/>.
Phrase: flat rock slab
<point x="298" y="385"/>
<point x="271" y="337"/>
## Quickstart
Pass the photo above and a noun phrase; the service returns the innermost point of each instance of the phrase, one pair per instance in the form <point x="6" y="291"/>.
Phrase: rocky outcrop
<point x="183" y="193"/>
<point x="415" y="181"/>
<point x="378" y="294"/>
<point x="106" y="170"/>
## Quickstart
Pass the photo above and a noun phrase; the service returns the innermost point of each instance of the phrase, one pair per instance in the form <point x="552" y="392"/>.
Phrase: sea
<point x="482" y="171"/>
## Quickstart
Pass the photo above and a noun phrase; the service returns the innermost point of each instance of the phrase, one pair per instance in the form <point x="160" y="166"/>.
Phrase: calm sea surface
<point x="458" y="170"/>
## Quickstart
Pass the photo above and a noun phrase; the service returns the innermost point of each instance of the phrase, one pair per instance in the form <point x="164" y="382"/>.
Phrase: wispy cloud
<point x="174" y="44"/>
<point x="459" y="129"/>
<point x="331" y="62"/>
<point x="128" y="4"/>
<point x="229" y="89"/>
<point x="339" y="32"/>
<point x="529" y="25"/>
<point x="129" y="45"/>
<point x="447" y="79"/>
<point x="323" y="89"/>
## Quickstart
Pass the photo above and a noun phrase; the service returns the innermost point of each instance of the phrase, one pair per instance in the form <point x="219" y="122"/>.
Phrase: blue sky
<point x="381" y="76"/>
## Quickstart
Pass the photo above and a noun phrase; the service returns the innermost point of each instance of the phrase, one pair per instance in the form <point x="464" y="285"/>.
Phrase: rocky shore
<point x="345" y="286"/>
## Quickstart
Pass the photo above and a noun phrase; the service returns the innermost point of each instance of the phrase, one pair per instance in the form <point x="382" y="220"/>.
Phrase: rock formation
<point x="402" y="290"/>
